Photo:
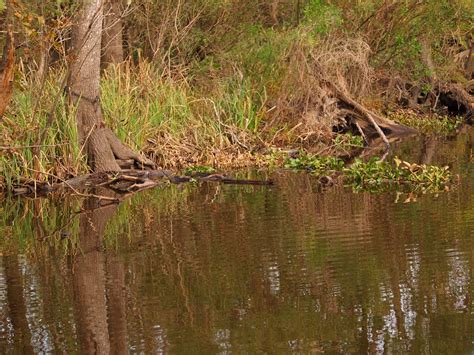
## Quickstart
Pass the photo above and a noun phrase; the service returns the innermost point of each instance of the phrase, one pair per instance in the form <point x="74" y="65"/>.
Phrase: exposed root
<point x="373" y="119"/>
<point x="108" y="153"/>
<point x="122" y="152"/>
<point x="444" y="98"/>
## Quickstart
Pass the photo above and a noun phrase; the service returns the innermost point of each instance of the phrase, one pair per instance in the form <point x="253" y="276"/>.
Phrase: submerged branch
<point x="124" y="182"/>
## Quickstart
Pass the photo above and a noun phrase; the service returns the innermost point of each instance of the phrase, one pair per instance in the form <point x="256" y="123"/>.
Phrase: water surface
<point x="239" y="269"/>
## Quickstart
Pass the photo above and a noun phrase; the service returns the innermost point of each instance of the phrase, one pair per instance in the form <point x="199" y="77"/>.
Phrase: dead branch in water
<point x="125" y="182"/>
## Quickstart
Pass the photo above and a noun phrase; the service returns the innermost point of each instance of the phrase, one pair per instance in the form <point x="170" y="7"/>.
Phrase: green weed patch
<point x="376" y="175"/>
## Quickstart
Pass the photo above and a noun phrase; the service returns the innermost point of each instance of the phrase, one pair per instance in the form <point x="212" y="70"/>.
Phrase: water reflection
<point x="216" y="269"/>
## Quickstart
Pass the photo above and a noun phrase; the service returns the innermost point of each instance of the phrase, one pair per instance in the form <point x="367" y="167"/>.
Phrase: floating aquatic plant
<point x="377" y="175"/>
<point x="317" y="165"/>
<point x="430" y="124"/>
<point x="347" y="141"/>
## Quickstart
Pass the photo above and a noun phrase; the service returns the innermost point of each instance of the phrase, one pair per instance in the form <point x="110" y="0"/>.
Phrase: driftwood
<point x="455" y="98"/>
<point x="124" y="182"/>
<point x="364" y="119"/>
<point x="377" y="122"/>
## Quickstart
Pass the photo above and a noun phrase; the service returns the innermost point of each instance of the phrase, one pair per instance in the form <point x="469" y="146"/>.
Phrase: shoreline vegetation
<point x="232" y="84"/>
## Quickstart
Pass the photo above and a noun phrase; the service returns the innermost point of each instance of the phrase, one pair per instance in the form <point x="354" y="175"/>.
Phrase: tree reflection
<point x="98" y="284"/>
<point x="17" y="306"/>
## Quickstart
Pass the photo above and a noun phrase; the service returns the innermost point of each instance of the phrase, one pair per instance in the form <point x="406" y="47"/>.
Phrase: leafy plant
<point x="433" y="124"/>
<point x="376" y="175"/>
<point x="348" y="141"/>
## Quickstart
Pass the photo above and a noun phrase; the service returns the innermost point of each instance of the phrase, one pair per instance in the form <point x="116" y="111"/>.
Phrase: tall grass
<point x="175" y="121"/>
<point x="164" y="116"/>
<point x="58" y="155"/>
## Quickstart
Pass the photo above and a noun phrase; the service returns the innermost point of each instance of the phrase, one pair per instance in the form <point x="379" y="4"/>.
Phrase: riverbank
<point x="177" y="128"/>
<point x="329" y="84"/>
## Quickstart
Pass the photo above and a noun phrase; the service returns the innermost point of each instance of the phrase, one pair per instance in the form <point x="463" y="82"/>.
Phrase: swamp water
<point x="245" y="269"/>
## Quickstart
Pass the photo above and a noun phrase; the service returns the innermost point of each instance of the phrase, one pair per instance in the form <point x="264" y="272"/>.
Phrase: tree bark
<point x="112" y="36"/>
<point x="6" y="71"/>
<point x="469" y="65"/>
<point x="100" y="143"/>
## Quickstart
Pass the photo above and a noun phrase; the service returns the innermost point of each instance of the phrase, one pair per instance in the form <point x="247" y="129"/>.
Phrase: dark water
<point x="232" y="269"/>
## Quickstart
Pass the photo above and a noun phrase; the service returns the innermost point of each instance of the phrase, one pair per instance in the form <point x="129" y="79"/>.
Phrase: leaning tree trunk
<point x="112" y="36"/>
<point x="101" y="144"/>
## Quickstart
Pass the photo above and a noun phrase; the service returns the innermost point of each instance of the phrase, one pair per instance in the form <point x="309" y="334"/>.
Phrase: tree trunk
<point x="112" y="38"/>
<point x="100" y="143"/>
<point x="469" y="65"/>
<point x="6" y="71"/>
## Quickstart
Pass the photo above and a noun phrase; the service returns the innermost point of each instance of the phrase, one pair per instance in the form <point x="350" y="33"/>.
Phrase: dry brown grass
<point x="306" y="98"/>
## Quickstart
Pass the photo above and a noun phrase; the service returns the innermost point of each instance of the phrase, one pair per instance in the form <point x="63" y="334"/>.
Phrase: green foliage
<point x="322" y="17"/>
<point x="347" y="141"/>
<point x="429" y="124"/>
<point x="59" y="154"/>
<point x="376" y="175"/>
<point x="240" y="105"/>
<point x="205" y="75"/>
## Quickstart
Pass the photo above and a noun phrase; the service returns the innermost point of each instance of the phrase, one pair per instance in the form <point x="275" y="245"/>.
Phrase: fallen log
<point x="226" y="180"/>
<point x="455" y="98"/>
<point x="364" y="118"/>
<point x="124" y="182"/>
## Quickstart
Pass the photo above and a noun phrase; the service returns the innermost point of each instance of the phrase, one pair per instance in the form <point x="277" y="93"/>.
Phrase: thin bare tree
<point x="112" y="36"/>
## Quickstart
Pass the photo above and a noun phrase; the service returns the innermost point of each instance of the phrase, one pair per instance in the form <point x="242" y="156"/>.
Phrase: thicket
<point x="205" y="80"/>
